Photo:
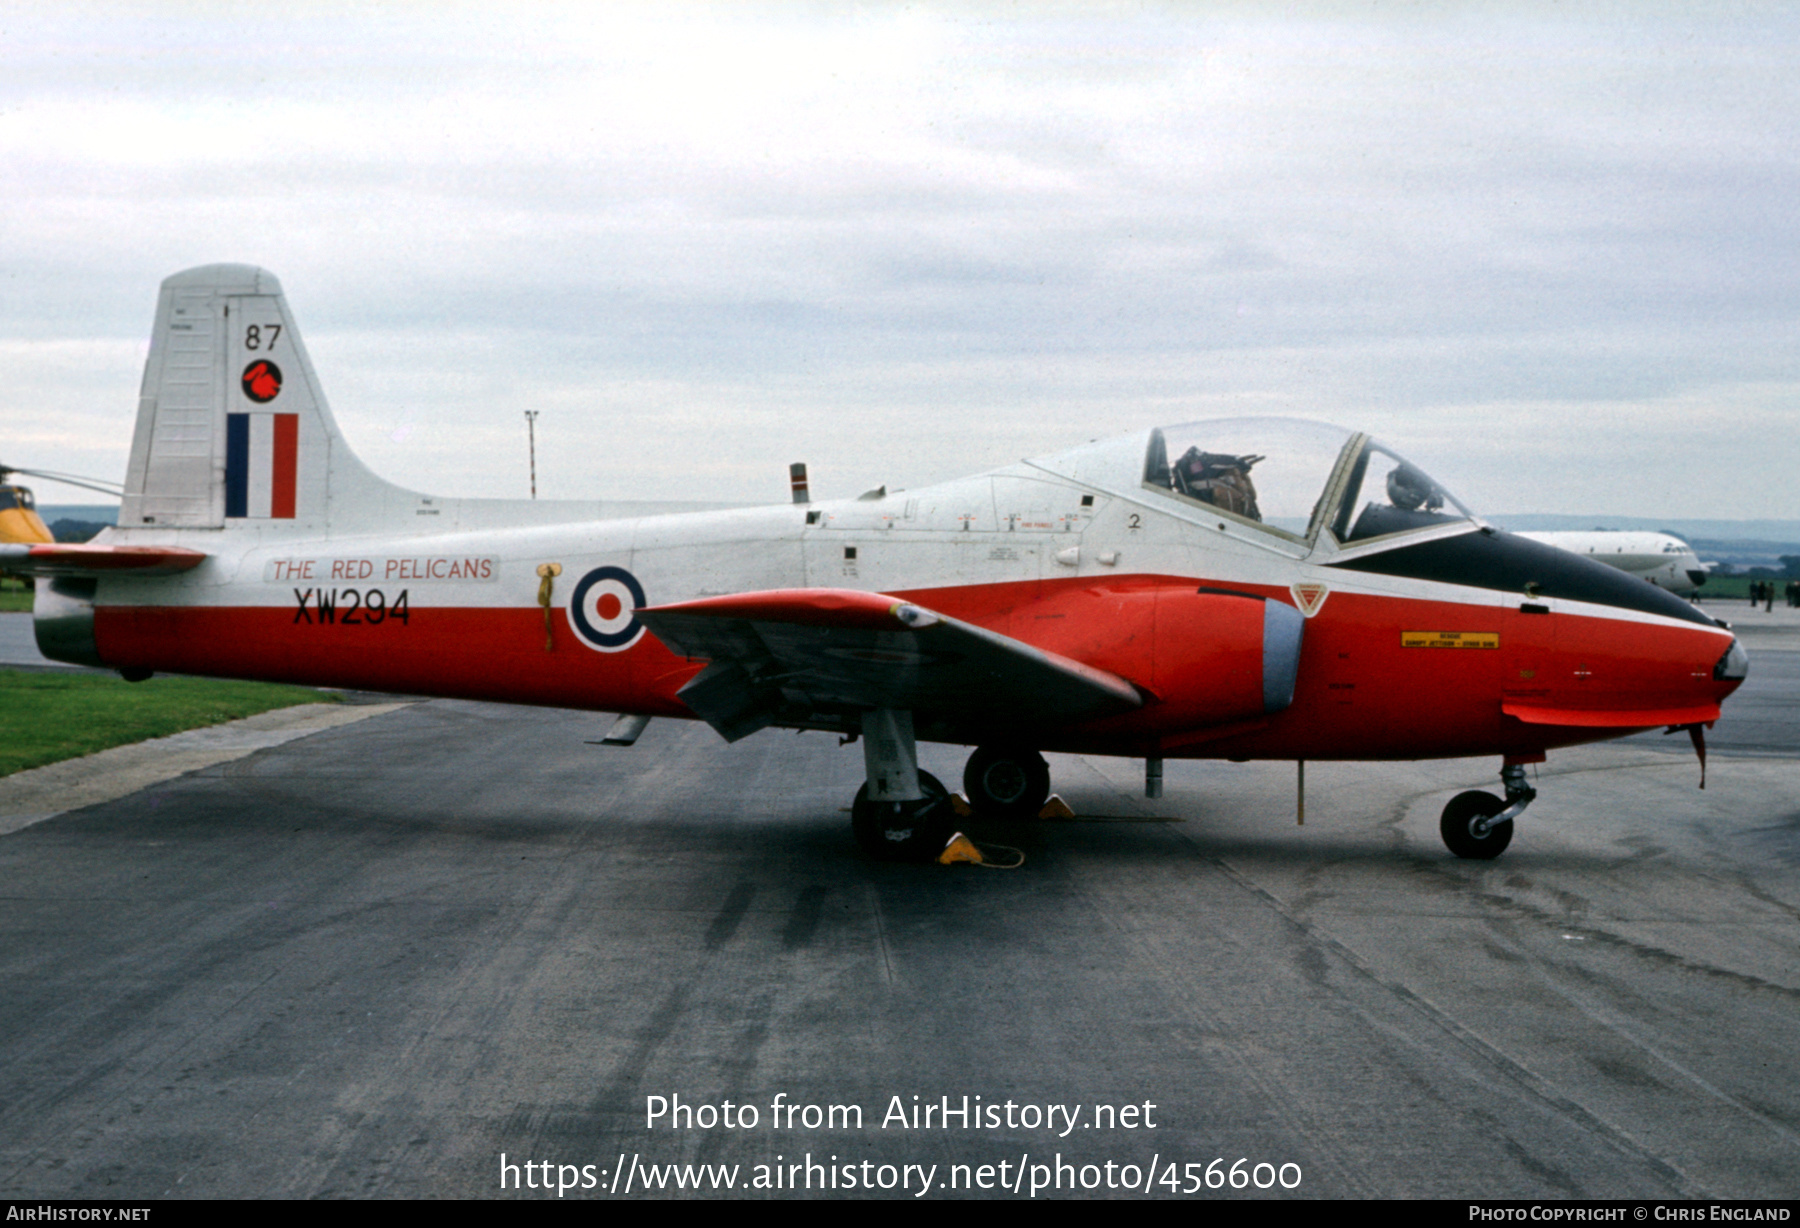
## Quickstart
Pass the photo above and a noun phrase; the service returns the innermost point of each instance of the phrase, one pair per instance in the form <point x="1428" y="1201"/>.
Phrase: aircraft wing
<point x="822" y="656"/>
<point x="83" y="559"/>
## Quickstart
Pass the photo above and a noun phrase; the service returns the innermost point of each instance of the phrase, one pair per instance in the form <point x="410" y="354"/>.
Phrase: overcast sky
<point x="1547" y="251"/>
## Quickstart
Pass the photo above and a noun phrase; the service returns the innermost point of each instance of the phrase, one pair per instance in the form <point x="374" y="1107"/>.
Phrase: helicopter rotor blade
<point x="98" y="485"/>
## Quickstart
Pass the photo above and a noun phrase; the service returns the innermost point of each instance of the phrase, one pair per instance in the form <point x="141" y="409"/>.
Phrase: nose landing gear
<point x="1479" y="826"/>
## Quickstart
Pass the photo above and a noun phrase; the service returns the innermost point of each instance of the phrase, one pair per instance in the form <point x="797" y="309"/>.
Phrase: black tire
<point x="904" y="831"/>
<point x="1006" y="782"/>
<point x="1460" y="816"/>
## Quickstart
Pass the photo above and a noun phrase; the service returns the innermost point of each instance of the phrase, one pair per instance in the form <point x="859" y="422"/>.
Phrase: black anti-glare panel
<point x="1500" y="561"/>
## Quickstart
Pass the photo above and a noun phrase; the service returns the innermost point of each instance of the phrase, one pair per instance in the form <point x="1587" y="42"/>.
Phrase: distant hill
<point x="65" y="530"/>
<point x="77" y="522"/>
<point x="98" y="513"/>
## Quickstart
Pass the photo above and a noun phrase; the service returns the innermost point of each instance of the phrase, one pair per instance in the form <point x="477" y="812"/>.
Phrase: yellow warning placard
<point x="1449" y="639"/>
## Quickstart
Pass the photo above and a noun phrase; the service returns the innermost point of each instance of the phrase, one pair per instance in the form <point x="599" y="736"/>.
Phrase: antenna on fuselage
<point x="797" y="483"/>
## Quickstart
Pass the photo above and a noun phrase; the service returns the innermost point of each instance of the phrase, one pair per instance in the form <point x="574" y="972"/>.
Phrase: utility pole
<point x="531" y="433"/>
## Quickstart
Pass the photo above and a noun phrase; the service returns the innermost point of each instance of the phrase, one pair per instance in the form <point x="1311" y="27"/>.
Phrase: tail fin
<point x="232" y="426"/>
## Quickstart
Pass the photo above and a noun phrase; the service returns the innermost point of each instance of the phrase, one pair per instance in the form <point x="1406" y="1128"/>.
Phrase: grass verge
<point x="47" y="716"/>
<point x="14" y="596"/>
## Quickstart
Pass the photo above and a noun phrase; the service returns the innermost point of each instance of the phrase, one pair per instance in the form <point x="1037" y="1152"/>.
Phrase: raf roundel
<point x="603" y="609"/>
<point x="262" y="381"/>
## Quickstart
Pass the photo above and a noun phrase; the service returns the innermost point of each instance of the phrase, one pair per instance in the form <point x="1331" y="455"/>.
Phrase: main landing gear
<point x="900" y="813"/>
<point x="903" y="814"/>
<point x="1479" y="825"/>
<point x="1006" y="782"/>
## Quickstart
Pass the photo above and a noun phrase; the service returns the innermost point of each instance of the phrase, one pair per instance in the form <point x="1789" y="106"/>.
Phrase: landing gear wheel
<point x="1465" y="828"/>
<point x="904" y="831"/>
<point x="1004" y="783"/>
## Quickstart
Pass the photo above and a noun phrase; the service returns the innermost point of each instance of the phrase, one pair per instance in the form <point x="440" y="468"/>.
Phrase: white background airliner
<point x="1661" y="558"/>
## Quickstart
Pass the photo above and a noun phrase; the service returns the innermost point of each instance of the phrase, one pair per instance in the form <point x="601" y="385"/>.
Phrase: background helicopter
<point x="19" y="520"/>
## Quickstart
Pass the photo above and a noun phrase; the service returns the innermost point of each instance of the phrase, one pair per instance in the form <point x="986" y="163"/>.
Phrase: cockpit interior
<point x="1297" y="479"/>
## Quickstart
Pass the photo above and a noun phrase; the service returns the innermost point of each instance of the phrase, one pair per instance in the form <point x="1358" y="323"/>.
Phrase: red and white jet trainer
<point x="1249" y="589"/>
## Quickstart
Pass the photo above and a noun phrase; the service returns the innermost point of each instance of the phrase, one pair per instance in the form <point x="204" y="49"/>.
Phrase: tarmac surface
<point x="393" y="957"/>
<point x="18" y="644"/>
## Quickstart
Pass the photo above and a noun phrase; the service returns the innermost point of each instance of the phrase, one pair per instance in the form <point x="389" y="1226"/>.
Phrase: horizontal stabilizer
<point x="81" y="559"/>
<point x="795" y="656"/>
<point x="1613" y="718"/>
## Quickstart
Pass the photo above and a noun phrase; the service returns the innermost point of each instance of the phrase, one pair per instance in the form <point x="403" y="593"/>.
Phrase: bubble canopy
<point x="1296" y="479"/>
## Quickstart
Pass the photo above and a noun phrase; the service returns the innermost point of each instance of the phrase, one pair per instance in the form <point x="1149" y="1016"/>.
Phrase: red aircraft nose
<point x="1588" y="652"/>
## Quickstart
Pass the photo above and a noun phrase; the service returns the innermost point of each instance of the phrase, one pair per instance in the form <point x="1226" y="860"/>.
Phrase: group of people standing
<point x="1762" y="592"/>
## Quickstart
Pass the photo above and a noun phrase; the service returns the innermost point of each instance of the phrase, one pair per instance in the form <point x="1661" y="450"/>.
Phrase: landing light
<point x="1734" y="664"/>
<point x="913" y="616"/>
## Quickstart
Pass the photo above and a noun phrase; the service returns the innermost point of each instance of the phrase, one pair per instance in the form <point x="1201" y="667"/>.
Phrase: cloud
<point x="908" y="242"/>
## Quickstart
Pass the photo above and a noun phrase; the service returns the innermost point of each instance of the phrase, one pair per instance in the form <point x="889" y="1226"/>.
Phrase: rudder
<point x="232" y="427"/>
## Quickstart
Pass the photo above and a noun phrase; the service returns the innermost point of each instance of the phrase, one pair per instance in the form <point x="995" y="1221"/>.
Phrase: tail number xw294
<point x="345" y="607"/>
